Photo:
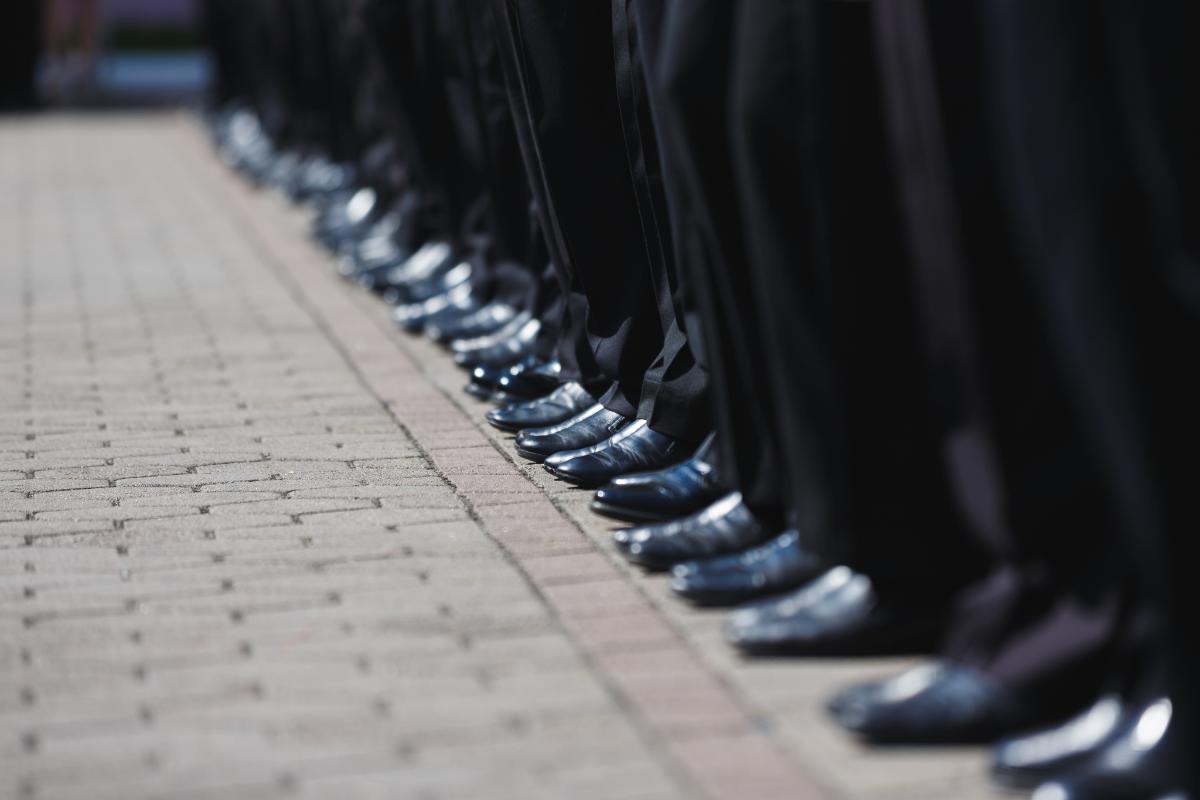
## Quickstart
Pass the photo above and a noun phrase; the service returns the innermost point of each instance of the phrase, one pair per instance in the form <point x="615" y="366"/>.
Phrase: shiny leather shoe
<point x="381" y="242"/>
<point x="1144" y="763"/>
<point x="344" y="215"/>
<point x="414" y="317"/>
<point x="447" y="277"/>
<point x="373" y="262"/>
<point x="430" y="259"/>
<point x="530" y="383"/>
<point x="506" y="350"/>
<point x="484" y="379"/>
<point x="319" y="177"/>
<point x="837" y="613"/>
<point x="663" y="494"/>
<point x="726" y="526"/>
<point x="636" y="448"/>
<point x="934" y="703"/>
<point x="367" y="275"/>
<point x="560" y="405"/>
<point x="1023" y="762"/>
<point x="487" y="320"/>
<point x="501" y="334"/>
<point x="588" y="427"/>
<point x="784" y="563"/>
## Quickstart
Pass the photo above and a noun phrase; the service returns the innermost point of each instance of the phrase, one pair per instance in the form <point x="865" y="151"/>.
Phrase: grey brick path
<point x="255" y="543"/>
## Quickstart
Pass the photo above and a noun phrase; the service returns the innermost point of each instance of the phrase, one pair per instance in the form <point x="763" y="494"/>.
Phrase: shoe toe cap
<point x="852" y="706"/>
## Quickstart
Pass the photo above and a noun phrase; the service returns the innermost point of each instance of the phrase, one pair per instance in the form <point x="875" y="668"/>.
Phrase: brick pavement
<point x="256" y="543"/>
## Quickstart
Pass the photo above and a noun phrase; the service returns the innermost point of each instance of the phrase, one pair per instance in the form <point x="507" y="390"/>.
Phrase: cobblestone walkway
<point x="255" y="543"/>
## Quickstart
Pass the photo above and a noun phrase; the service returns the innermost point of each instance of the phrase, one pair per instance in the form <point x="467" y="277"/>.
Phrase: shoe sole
<point x="508" y="427"/>
<point x="531" y="456"/>
<point x="571" y="479"/>
<point x="903" y="641"/>
<point x="477" y="391"/>
<point x="504" y="426"/>
<point x="631" y="515"/>
<point x="1016" y="782"/>
<point x="726" y="600"/>
<point x="652" y="564"/>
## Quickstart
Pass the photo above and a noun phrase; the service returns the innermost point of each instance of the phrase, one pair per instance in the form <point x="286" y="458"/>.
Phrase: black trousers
<point x="231" y="69"/>
<point x="407" y="43"/>
<point x="497" y="224"/>
<point x="20" y="47"/>
<point x="1102" y="182"/>
<point x="831" y="289"/>
<point x="690" y="81"/>
<point x="563" y="86"/>
<point x="675" y="391"/>
<point x="1052" y="616"/>
<point x="454" y="131"/>
<point x="373" y="124"/>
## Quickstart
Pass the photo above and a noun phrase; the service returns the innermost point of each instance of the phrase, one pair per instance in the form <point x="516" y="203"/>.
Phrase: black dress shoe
<point x="447" y="277"/>
<point x="482" y="322"/>
<point x="320" y="177"/>
<point x="365" y="274"/>
<point x="635" y="448"/>
<point x="484" y="379"/>
<point x="506" y="350"/>
<point x="934" y="703"/>
<point x="560" y="405"/>
<point x="485" y="341"/>
<point x="669" y="493"/>
<point x="411" y="282"/>
<point x="428" y="260"/>
<point x="786" y="562"/>
<point x="527" y="384"/>
<point x="837" y="613"/>
<point x="1144" y="763"/>
<point x="333" y="219"/>
<point x="372" y="255"/>
<point x="413" y="317"/>
<point x="726" y="526"/>
<point x="595" y="424"/>
<point x="1023" y="762"/>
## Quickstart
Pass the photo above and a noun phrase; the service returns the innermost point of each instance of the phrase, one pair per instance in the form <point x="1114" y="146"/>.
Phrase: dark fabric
<point x="407" y="43"/>
<point x="562" y="83"/>
<point x="691" y="84"/>
<point x="321" y="96"/>
<point x="231" y="67"/>
<point x="674" y="398"/>
<point x="831" y="285"/>
<point x="1050" y="617"/>
<point x="1096" y="145"/>
<point x="373" y="115"/>
<point x="20" y="48"/>
<point x="495" y="221"/>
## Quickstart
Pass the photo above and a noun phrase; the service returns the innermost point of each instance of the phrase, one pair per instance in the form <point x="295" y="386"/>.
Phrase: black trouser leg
<point x="20" y="44"/>
<point x="1102" y="184"/>
<point x="831" y="289"/>
<point x="1051" y="614"/>
<point x="496" y="222"/>
<point x="562" y="83"/>
<point x="674" y="397"/>
<point x="691" y="79"/>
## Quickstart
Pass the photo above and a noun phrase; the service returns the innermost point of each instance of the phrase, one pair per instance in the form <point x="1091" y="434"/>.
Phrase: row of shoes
<point x="681" y="520"/>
